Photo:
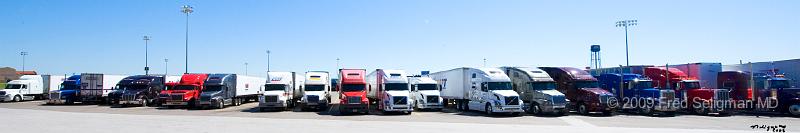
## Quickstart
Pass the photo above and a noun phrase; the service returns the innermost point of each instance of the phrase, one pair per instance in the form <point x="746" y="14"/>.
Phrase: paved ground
<point x="35" y="117"/>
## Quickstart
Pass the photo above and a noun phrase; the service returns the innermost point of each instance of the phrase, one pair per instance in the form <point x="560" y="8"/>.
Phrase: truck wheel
<point x="144" y="102"/>
<point x="535" y="109"/>
<point x="582" y="109"/>
<point x="794" y="110"/>
<point x="700" y="111"/>
<point x="488" y="109"/>
<point x="645" y="111"/>
<point x="17" y="98"/>
<point x="220" y="104"/>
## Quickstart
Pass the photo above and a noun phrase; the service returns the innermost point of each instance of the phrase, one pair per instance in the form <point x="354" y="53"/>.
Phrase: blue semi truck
<point x="68" y="93"/>
<point x="637" y="94"/>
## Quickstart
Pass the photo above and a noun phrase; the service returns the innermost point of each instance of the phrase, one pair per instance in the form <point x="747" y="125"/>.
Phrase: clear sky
<point x="74" y="36"/>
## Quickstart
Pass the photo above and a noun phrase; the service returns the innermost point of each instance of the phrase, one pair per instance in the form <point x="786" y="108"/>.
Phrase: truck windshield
<point x="353" y="87"/>
<point x="779" y="84"/>
<point x="643" y="85"/>
<point x="690" y="85"/>
<point x="68" y="87"/>
<point x="423" y="87"/>
<point x="274" y="87"/>
<point x="132" y="87"/>
<point x="499" y="85"/>
<point x="396" y="87"/>
<point x="542" y="85"/>
<point x="315" y="87"/>
<point x="14" y="86"/>
<point x="213" y="88"/>
<point x="586" y="84"/>
<point x="184" y="87"/>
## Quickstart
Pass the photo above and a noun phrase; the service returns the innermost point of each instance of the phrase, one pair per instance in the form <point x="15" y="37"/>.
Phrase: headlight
<point x="497" y="103"/>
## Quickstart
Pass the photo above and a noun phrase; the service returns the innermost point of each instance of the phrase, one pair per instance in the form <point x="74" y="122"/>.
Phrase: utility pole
<point x="187" y="10"/>
<point x="245" y="68"/>
<point x="146" y="66"/>
<point x="23" y="53"/>
<point x="166" y="66"/>
<point x="268" y="60"/>
<point x="625" y="24"/>
<point x="484" y="62"/>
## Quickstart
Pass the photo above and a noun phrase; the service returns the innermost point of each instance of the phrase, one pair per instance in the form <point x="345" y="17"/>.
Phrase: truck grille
<point x="512" y="100"/>
<point x="312" y="98"/>
<point x="559" y="100"/>
<point x="667" y="94"/>
<point x="176" y="97"/>
<point x="721" y="94"/>
<point x="604" y="98"/>
<point x="400" y="100"/>
<point x="55" y="95"/>
<point x="205" y="98"/>
<point x="129" y="97"/>
<point x="354" y="99"/>
<point x="271" y="99"/>
<point x="2" y="92"/>
<point x="432" y="99"/>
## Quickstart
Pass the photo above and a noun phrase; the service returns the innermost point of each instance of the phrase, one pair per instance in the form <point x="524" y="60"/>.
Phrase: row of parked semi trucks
<point x="509" y="90"/>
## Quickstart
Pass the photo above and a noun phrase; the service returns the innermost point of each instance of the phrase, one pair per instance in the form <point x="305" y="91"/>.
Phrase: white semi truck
<point x="317" y="84"/>
<point x="482" y="89"/>
<point x="30" y="87"/>
<point x="388" y="89"/>
<point x="538" y="90"/>
<point x="279" y="91"/>
<point x="425" y="93"/>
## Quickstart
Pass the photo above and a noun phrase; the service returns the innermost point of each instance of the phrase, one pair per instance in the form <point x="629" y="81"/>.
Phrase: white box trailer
<point x="317" y="84"/>
<point x="389" y="90"/>
<point x="96" y="86"/>
<point x="481" y="89"/>
<point x="30" y="87"/>
<point x="705" y="72"/>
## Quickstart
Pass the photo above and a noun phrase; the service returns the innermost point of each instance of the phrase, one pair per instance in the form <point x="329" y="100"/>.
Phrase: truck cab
<point x="582" y="90"/>
<point x="137" y="90"/>
<point x="220" y="90"/>
<point x="425" y="93"/>
<point x="68" y="92"/>
<point x="389" y="90"/>
<point x="185" y="93"/>
<point x="278" y="91"/>
<point x="317" y="85"/>
<point x="636" y="92"/>
<point x="352" y="87"/>
<point x="538" y="90"/>
<point x="26" y="87"/>
<point x="687" y="89"/>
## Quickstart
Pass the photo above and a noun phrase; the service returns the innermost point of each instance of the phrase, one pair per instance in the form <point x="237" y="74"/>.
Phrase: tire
<point x="794" y="110"/>
<point x="220" y="104"/>
<point x="582" y="109"/>
<point x="607" y="113"/>
<point x="17" y="98"/>
<point x="700" y="111"/>
<point x="535" y="109"/>
<point x="144" y="102"/>
<point x="488" y="109"/>
<point x="646" y="111"/>
<point x="466" y="105"/>
<point x="262" y="109"/>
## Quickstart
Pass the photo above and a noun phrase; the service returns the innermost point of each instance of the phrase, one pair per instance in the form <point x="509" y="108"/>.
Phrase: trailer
<point x="537" y="90"/>
<point x="315" y="94"/>
<point x="96" y="86"/>
<point x="30" y="87"/>
<point x="482" y="89"/>
<point x="229" y="89"/>
<point x="706" y="73"/>
<point x="582" y="90"/>
<point x="137" y="90"/>
<point x="425" y="93"/>
<point x="389" y="91"/>
<point x="279" y="91"/>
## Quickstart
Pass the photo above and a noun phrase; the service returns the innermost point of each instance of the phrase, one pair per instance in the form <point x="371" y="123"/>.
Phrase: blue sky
<point x="65" y="37"/>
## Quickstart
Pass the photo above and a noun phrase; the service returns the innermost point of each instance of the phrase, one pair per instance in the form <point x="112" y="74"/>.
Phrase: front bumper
<point x="600" y="107"/>
<point x="554" y="108"/>
<point x="398" y="108"/>
<point x="279" y="104"/>
<point x="508" y="109"/>
<point x="430" y="106"/>
<point x="6" y="98"/>
<point x="131" y="102"/>
<point x="666" y="107"/>
<point x="353" y="107"/>
<point x="175" y="103"/>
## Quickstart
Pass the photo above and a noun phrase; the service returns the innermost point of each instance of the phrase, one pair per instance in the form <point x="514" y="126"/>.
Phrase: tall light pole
<point x="187" y="10"/>
<point x="625" y="24"/>
<point x="245" y="68"/>
<point x="166" y="66"/>
<point x="268" y="60"/>
<point x="484" y="62"/>
<point x="146" y="66"/>
<point x="23" y="53"/>
<point x="337" y="64"/>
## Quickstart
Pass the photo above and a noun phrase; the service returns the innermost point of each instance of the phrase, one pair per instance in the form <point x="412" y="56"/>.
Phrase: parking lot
<point x="73" y="116"/>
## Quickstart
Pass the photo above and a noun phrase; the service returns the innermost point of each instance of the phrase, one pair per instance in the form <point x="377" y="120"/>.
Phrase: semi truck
<point x="389" y="91"/>
<point x="96" y="86"/>
<point x="636" y="93"/>
<point x="582" y="90"/>
<point x="279" y="91"/>
<point x="317" y="85"/>
<point x="705" y="72"/>
<point x="687" y="89"/>
<point x="229" y="89"/>
<point x="140" y="90"/>
<point x="537" y="90"/>
<point x="185" y="93"/>
<point x="765" y="92"/>
<point x="68" y="92"/>
<point x="424" y="93"/>
<point x="482" y="89"/>
<point x="30" y="87"/>
<point x="352" y="87"/>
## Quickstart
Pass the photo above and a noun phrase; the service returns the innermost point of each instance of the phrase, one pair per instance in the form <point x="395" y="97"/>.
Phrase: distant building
<point x="790" y="69"/>
<point x="7" y="74"/>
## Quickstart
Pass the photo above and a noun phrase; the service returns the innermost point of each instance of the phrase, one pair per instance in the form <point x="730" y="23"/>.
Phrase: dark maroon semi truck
<point x="582" y="90"/>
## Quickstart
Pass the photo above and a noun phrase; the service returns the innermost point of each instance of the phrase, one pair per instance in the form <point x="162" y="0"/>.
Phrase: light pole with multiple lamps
<point x="245" y="68"/>
<point x="187" y="10"/>
<point x="166" y="66"/>
<point x="625" y="24"/>
<point x="23" y="53"/>
<point x="268" y="60"/>
<point x="146" y="66"/>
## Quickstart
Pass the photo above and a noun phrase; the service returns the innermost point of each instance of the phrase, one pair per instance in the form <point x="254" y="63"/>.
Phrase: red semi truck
<point x="352" y="86"/>
<point x="688" y="89"/>
<point x="185" y="93"/>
